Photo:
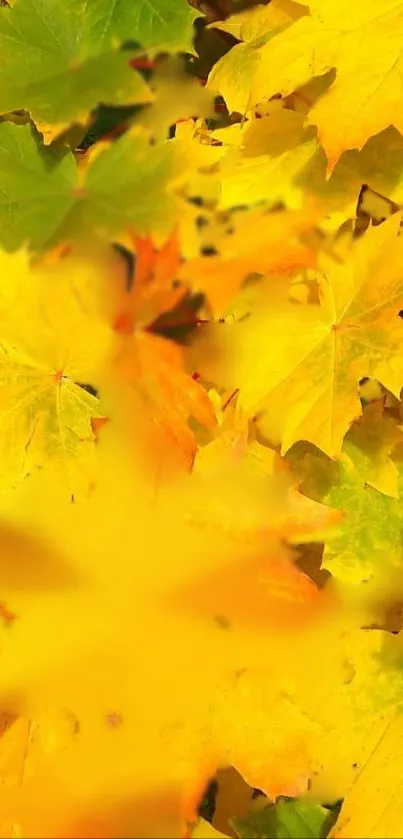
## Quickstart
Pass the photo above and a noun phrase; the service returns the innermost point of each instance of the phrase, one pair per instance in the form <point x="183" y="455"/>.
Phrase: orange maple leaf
<point x="147" y="372"/>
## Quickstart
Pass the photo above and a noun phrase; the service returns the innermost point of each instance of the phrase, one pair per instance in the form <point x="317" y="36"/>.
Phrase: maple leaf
<point x="371" y="443"/>
<point x="287" y="819"/>
<point x="250" y="23"/>
<point x="160" y="25"/>
<point x="277" y="162"/>
<point x="374" y="804"/>
<point x="152" y="290"/>
<point x="148" y="376"/>
<point x="356" y="332"/>
<point x="348" y="113"/>
<point x="111" y="180"/>
<point x="37" y="187"/>
<point x="175" y="621"/>
<point x="276" y="158"/>
<point x="234" y="73"/>
<point x="60" y="61"/>
<point x="266" y="160"/>
<point x="121" y="186"/>
<point x="323" y="730"/>
<point x="131" y="186"/>
<point x="47" y="365"/>
<point x="363" y="549"/>
<point x="145" y="372"/>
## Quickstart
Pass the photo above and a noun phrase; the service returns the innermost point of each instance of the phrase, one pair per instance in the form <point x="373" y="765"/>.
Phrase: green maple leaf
<point x="59" y="60"/>
<point x="46" y="197"/>
<point x="127" y="186"/>
<point x="369" y="539"/>
<point x="36" y="186"/>
<point x="287" y="819"/>
<point x="160" y="25"/>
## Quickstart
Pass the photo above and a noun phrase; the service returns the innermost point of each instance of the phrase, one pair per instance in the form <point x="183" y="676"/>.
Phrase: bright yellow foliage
<point x="374" y="806"/>
<point x="102" y="672"/>
<point x="201" y="423"/>
<point x="353" y="332"/>
<point x="365" y="96"/>
<point x="50" y="347"/>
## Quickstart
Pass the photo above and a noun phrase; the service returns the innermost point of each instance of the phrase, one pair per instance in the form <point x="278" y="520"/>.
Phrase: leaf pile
<point x="201" y="425"/>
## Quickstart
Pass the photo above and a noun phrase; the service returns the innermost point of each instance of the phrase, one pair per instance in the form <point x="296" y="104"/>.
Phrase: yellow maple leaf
<point x="250" y="23"/>
<point x="277" y="158"/>
<point x="365" y="97"/>
<point x="267" y="161"/>
<point x="49" y="352"/>
<point x="233" y="74"/>
<point x="322" y="352"/>
<point x="374" y="805"/>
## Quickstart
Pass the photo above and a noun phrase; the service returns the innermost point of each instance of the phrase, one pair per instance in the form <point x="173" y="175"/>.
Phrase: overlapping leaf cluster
<point x="201" y="429"/>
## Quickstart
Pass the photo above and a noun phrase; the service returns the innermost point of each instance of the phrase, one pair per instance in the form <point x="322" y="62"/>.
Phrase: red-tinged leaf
<point x="151" y="373"/>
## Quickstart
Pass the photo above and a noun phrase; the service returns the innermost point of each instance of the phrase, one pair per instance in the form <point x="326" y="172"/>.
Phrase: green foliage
<point x="60" y="60"/>
<point x="37" y="187"/>
<point x="286" y="819"/>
